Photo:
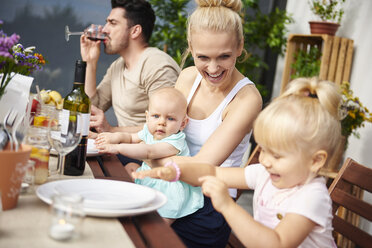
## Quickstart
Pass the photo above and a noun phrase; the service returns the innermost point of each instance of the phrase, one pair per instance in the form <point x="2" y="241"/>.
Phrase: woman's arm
<point x="237" y="121"/>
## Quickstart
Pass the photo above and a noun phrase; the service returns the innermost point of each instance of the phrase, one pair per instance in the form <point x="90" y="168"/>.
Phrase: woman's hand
<point x="164" y="173"/>
<point x="92" y="135"/>
<point x="217" y="191"/>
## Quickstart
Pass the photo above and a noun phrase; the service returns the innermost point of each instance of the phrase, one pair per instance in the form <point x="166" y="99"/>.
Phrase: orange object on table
<point x="41" y="158"/>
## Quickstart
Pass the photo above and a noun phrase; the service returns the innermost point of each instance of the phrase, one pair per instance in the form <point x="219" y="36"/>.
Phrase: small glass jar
<point x="42" y="117"/>
<point x="37" y="138"/>
<point x="67" y="215"/>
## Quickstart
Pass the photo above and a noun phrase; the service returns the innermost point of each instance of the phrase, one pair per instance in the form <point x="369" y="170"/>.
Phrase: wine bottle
<point x="77" y="100"/>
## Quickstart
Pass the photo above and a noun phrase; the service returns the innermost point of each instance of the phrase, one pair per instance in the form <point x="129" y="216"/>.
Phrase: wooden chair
<point x="234" y="242"/>
<point x="346" y="192"/>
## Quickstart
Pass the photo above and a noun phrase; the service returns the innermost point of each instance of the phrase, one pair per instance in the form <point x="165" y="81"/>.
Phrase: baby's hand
<point x="107" y="148"/>
<point x="217" y="191"/>
<point x="92" y="135"/>
<point x="107" y="138"/>
<point x="165" y="173"/>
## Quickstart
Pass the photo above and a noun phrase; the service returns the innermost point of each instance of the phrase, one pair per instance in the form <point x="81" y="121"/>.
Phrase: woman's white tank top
<point x="198" y="131"/>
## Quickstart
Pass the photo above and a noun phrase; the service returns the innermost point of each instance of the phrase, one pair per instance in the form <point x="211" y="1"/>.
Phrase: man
<point x="130" y="79"/>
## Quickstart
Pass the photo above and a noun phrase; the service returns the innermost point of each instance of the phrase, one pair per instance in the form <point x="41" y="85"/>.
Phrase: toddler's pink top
<point x="311" y="200"/>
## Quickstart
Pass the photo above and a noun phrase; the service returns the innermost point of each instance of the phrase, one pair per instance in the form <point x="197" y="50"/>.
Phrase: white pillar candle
<point x="61" y="230"/>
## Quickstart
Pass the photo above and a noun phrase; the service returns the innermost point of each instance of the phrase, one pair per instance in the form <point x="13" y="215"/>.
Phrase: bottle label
<point x="63" y="121"/>
<point x="85" y="118"/>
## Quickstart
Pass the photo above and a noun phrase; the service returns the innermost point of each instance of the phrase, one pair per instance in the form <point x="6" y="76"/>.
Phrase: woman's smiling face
<point x="215" y="55"/>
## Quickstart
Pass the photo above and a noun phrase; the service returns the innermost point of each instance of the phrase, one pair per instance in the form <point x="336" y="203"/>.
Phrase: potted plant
<point x="329" y="12"/>
<point x="354" y="113"/>
<point x="14" y="59"/>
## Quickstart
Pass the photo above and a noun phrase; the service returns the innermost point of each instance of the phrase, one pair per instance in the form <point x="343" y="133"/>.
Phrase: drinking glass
<point x="94" y="32"/>
<point x="64" y="134"/>
<point x="29" y="177"/>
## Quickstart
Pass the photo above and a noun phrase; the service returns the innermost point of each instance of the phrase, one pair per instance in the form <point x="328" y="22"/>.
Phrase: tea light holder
<point x="62" y="230"/>
<point x="67" y="216"/>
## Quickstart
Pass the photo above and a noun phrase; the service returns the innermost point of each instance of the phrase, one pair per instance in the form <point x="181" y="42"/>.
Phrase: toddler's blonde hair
<point x="305" y="118"/>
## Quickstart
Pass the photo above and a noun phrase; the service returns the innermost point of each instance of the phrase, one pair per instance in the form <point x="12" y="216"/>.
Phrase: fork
<point x="17" y="121"/>
<point x="6" y="118"/>
<point x="9" y="120"/>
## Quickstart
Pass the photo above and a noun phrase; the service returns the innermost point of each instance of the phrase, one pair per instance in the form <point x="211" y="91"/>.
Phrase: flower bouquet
<point x="14" y="58"/>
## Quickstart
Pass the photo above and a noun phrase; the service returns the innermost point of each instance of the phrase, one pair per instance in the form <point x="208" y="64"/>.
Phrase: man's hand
<point x="98" y="120"/>
<point x="90" y="50"/>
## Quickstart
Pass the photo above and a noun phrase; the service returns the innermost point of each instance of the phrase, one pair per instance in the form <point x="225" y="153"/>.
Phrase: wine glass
<point x="94" y="32"/>
<point x="64" y="134"/>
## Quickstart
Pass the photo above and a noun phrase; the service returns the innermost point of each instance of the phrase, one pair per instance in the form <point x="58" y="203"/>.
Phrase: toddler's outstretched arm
<point x="113" y="138"/>
<point x="139" y="151"/>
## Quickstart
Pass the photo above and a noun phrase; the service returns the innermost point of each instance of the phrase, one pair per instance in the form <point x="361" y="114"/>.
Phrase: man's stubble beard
<point x="122" y="46"/>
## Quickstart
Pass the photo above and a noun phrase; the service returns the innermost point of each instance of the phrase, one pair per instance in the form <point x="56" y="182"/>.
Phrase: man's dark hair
<point x="138" y="12"/>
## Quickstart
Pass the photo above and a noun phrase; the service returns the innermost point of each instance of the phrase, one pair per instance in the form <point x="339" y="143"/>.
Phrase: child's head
<point x="167" y="113"/>
<point x="216" y="17"/>
<point x="303" y="120"/>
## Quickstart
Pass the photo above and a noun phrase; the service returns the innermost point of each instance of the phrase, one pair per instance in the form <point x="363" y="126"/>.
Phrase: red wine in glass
<point x="96" y="38"/>
<point x="94" y="33"/>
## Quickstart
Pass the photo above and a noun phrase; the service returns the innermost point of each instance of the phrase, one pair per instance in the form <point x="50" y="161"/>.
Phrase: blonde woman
<point x="222" y="105"/>
<point x="298" y="133"/>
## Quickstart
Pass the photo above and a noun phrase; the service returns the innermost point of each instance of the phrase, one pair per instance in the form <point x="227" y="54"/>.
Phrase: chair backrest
<point x="346" y="192"/>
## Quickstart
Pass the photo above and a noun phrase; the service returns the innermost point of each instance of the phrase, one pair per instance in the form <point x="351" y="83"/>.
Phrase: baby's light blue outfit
<point x="183" y="199"/>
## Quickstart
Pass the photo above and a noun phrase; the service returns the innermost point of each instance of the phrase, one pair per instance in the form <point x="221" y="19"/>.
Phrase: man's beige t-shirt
<point x="128" y="91"/>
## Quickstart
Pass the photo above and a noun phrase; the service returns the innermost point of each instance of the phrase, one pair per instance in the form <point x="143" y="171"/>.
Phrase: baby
<point x="160" y="137"/>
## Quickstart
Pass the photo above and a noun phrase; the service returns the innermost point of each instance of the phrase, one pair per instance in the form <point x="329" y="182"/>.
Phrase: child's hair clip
<point x="313" y="95"/>
<point x="309" y="94"/>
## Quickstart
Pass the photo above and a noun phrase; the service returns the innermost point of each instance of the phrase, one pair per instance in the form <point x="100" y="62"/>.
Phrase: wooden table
<point x="147" y="230"/>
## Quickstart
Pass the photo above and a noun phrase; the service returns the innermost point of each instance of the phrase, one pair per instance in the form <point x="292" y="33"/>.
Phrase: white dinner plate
<point x="107" y="194"/>
<point x="46" y="191"/>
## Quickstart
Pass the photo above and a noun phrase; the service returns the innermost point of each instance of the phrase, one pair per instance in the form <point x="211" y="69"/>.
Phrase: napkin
<point x="16" y="95"/>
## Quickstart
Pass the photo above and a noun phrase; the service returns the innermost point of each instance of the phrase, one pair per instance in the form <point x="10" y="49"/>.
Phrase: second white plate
<point x="103" y="194"/>
<point x="46" y="191"/>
